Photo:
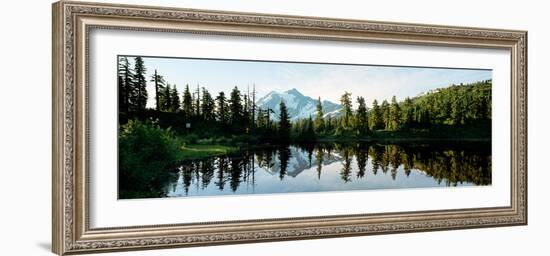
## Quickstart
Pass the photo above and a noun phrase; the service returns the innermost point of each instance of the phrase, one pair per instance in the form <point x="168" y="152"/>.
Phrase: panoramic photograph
<point x="213" y="127"/>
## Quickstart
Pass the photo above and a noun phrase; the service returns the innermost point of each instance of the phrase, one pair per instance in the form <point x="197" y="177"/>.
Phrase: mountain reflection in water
<point x="333" y="167"/>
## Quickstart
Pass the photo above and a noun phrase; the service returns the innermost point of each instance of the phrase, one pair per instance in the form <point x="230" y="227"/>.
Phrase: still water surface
<point x="333" y="167"/>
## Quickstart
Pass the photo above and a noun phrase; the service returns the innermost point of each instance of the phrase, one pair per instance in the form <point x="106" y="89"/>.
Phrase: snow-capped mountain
<point x="299" y="106"/>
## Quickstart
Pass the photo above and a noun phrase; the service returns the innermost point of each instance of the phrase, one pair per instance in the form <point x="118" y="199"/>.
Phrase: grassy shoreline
<point x="195" y="151"/>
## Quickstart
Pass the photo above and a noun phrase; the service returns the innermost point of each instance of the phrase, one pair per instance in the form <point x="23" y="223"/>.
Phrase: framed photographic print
<point x="180" y="127"/>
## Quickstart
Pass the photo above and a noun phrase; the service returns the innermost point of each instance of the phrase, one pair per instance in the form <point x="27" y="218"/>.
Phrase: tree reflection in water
<point x="303" y="168"/>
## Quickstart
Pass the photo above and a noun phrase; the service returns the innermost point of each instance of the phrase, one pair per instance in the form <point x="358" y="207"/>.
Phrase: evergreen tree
<point x="362" y="123"/>
<point x="407" y="113"/>
<point x="457" y="109"/>
<point x="208" y="105"/>
<point x="140" y="83"/>
<point x="345" y="101"/>
<point x="319" y="120"/>
<point x="187" y="102"/>
<point x="175" y="106"/>
<point x="477" y="103"/>
<point x="158" y="81"/>
<point x="385" y="110"/>
<point x="222" y="109"/>
<point x="260" y="119"/>
<point x="197" y="101"/>
<point x="395" y="115"/>
<point x="423" y="111"/>
<point x="308" y="134"/>
<point x="329" y="128"/>
<point x="246" y="111"/>
<point x="284" y="122"/>
<point x="125" y="84"/>
<point x="253" y="107"/>
<point x="375" y="117"/>
<point x="235" y="106"/>
<point x="166" y="98"/>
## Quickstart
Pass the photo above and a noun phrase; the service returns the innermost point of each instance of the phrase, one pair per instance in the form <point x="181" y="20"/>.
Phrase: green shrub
<point x="146" y="152"/>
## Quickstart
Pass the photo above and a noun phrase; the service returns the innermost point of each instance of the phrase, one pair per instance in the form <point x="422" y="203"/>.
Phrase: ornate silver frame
<point x="72" y="22"/>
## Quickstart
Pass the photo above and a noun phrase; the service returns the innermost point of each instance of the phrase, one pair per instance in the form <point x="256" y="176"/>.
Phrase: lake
<point x="333" y="167"/>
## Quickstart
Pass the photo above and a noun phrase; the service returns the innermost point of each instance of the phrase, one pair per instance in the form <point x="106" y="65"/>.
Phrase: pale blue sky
<point x="328" y="81"/>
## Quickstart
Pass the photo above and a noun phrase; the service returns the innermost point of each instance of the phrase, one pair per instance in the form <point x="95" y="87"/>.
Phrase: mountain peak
<point x="294" y="91"/>
<point x="298" y="105"/>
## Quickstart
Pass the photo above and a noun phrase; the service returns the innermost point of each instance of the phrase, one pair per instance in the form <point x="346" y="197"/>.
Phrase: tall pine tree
<point x="222" y="108"/>
<point x="345" y="101"/>
<point x="395" y="115"/>
<point x="175" y="99"/>
<point x="284" y="123"/>
<point x="158" y="81"/>
<point x="375" y="117"/>
<point x="208" y="105"/>
<point x="407" y="113"/>
<point x="319" y="119"/>
<point x="385" y="110"/>
<point x="361" y="121"/>
<point x="141" y="84"/>
<point x="125" y="84"/>
<point x="187" y="102"/>
<point x="198" y="101"/>
<point x="166" y="98"/>
<point x="236" y="106"/>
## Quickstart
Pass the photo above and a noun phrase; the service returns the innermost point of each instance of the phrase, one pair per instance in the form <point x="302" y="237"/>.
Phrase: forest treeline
<point x="201" y="115"/>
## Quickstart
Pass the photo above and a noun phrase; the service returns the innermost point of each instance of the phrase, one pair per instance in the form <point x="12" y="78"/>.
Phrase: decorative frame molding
<point x="72" y="22"/>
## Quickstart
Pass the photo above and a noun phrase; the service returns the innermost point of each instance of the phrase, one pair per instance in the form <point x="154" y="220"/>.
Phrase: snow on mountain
<point x="299" y="106"/>
<point x="331" y="114"/>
